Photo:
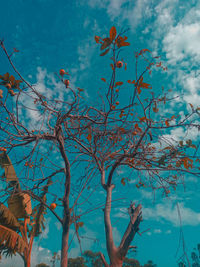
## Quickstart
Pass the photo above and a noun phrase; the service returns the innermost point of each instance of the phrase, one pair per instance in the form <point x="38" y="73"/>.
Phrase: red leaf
<point x="89" y="137"/>
<point x="129" y="81"/>
<point x="113" y="33"/>
<point x="105" y="52"/>
<point x="118" y="83"/>
<point x="124" y="44"/>
<point x="167" y="123"/>
<point x="106" y="43"/>
<point x="103" y="79"/>
<point x="144" y="51"/>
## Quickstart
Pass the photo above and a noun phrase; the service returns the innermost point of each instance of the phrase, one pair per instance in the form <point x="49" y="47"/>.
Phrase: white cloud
<point x="146" y="194"/>
<point x="38" y="255"/>
<point x="182" y="42"/>
<point x="87" y="241"/>
<point x="168" y="212"/>
<point x="157" y="231"/>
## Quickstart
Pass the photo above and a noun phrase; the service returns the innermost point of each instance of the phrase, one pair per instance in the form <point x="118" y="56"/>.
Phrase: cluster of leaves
<point x="10" y="83"/>
<point x="115" y="39"/>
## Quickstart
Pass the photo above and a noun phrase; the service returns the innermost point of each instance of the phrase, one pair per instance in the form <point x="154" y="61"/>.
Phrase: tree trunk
<point x="28" y="263"/>
<point x="66" y="209"/>
<point x="27" y="260"/>
<point x="65" y="238"/>
<point x="117" y="254"/>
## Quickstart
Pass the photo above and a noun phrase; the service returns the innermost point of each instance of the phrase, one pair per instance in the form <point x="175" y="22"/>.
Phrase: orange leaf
<point x="118" y="83"/>
<point x="155" y="109"/>
<point x="1" y="93"/>
<point x="105" y="52"/>
<point x="123" y="181"/>
<point x="103" y="79"/>
<point x="97" y="38"/>
<point x="80" y="224"/>
<point x="158" y="64"/>
<point x="124" y="44"/>
<point x="129" y="81"/>
<point x="144" y="51"/>
<point x="112" y="66"/>
<point x="106" y="43"/>
<point x="89" y="137"/>
<point x="113" y="33"/>
<point x="143" y="119"/>
<point x="167" y="123"/>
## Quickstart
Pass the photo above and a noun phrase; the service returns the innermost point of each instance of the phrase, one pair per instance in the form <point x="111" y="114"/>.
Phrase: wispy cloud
<point x="167" y="212"/>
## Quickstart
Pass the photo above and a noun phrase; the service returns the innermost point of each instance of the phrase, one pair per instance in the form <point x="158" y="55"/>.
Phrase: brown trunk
<point x="65" y="238"/>
<point x="28" y="263"/>
<point x="27" y="260"/>
<point x="66" y="209"/>
<point x="115" y="259"/>
<point x="117" y="254"/>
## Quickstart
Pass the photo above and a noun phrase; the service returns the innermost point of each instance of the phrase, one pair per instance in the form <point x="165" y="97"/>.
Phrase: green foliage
<point x="150" y="264"/>
<point x="77" y="262"/>
<point x="90" y="259"/>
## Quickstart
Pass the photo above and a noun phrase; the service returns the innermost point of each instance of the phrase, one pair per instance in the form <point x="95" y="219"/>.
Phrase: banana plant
<point x="19" y="223"/>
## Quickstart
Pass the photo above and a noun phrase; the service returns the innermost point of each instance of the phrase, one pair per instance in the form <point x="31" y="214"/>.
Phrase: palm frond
<point x="10" y="173"/>
<point x="12" y="241"/>
<point x="7" y="218"/>
<point x="20" y="205"/>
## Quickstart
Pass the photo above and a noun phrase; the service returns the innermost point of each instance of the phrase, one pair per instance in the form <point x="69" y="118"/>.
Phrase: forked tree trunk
<point x="117" y="254"/>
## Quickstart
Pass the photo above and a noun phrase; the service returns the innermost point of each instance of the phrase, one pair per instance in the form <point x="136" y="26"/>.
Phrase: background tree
<point x="42" y="265"/>
<point x="90" y="258"/>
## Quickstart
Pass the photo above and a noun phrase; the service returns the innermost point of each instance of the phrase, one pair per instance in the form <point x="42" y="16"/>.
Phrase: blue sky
<point x="60" y="34"/>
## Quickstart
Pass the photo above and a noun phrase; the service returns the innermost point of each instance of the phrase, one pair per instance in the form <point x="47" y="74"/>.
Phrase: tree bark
<point x="117" y="254"/>
<point x="65" y="239"/>
<point x="66" y="209"/>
